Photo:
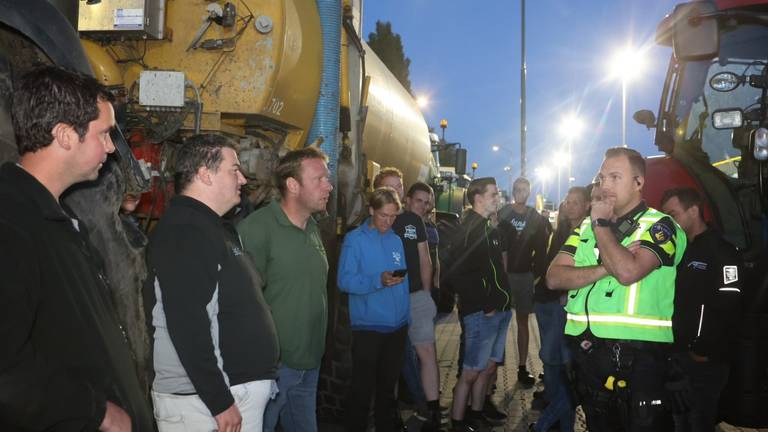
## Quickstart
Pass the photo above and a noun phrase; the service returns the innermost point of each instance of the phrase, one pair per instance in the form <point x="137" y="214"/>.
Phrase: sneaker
<point x="431" y="426"/>
<point x="525" y="378"/>
<point x="491" y="412"/>
<point x="481" y="420"/>
<point x="480" y="424"/>
<point x="463" y="427"/>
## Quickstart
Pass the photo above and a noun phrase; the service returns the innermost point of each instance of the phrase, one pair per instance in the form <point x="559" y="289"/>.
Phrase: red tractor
<point x="712" y="124"/>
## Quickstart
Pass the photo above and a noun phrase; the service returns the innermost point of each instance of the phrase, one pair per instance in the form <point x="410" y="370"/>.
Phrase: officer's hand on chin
<point x="602" y="209"/>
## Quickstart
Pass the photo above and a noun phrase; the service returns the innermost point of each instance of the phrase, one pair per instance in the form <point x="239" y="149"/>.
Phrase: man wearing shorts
<point x="409" y="226"/>
<point x="526" y="246"/>
<point x="484" y="302"/>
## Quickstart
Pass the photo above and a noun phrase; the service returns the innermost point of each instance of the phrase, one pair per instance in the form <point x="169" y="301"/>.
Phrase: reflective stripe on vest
<point x="620" y="319"/>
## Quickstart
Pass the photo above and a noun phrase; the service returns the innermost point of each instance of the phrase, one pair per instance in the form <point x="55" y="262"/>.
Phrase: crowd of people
<point x="633" y="304"/>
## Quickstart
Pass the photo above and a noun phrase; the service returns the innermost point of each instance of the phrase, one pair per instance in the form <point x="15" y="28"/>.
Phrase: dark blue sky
<point x="466" y="56"/>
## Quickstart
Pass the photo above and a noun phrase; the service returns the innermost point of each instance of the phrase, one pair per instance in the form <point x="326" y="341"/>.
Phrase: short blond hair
<point x="383" y="196"/>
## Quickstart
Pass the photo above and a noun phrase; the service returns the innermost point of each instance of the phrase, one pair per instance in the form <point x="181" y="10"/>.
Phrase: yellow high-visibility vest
<point x="641" y="311"/>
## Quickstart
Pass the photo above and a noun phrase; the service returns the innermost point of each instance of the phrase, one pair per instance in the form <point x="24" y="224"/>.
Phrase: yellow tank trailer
<point x="257" y="67"/>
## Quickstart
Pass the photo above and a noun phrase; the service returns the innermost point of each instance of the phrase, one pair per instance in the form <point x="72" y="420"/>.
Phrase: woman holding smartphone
<point x="372" y="272"/>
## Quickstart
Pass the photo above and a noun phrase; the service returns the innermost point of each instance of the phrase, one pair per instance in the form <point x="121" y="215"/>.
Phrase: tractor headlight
<point x="728" y="119"/>
<point x="760" y="149"/>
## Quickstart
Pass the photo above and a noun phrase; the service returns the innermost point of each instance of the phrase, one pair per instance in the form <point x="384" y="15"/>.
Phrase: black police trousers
<point x="620" y="385"/>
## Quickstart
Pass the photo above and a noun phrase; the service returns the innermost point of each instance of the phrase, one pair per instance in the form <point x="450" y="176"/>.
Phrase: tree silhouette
<point x="389" y="47"/>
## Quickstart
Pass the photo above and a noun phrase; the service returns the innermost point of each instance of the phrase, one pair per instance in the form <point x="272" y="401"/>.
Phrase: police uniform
<point x="707" y="304"/>
<point x="622" y="333"/>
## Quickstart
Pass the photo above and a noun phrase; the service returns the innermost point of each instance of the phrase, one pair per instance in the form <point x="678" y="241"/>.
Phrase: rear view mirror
<point x="695" y="32"/>
<point x="645" y="118"/>
<point x="461" y="161"/>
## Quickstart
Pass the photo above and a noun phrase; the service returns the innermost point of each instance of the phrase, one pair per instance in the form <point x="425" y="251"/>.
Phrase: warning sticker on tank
<point x="129" y="19"/>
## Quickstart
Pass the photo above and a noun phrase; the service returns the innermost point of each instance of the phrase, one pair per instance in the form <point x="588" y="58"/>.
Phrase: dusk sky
<point x="466" y="58"/>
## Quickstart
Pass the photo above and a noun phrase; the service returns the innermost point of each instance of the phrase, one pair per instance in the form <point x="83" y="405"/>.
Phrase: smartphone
<point x="399" y="272"/>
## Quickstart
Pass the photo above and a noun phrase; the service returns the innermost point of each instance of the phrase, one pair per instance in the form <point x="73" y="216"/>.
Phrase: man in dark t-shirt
<point x="423" y="382"/>
<point x="526" y="238"/>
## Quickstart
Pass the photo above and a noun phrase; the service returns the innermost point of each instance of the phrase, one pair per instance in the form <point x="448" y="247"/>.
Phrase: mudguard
<point x="44" y="25"/>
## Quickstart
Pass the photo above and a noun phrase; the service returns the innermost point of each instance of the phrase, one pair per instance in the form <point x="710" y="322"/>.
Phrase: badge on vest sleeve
<point x="730" y="274"/>
<point x="660" y="233"/>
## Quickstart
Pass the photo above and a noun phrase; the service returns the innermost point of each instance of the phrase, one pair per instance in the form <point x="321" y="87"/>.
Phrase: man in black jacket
<point x="65" y="364"/>
<point x="484" y="301"/>
<point x="214" y="342"/>
<point x="707" y="305"/>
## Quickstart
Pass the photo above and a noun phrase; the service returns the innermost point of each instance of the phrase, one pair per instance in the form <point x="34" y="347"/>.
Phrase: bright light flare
<point x="495" y="148"/>
<point x="507" y="168"/>
<point x="571" y="126"/>
<point x="627" y="64"/>
<point x="422" y="101"/>
<point x="561" y="158"/>
<point x="544" y="173"/>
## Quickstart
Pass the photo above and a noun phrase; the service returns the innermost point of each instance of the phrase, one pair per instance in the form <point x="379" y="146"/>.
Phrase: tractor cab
<point x="712" y="124"/>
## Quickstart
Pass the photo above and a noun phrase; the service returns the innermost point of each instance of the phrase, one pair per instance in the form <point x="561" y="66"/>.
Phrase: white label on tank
<point x="129" y="18"/>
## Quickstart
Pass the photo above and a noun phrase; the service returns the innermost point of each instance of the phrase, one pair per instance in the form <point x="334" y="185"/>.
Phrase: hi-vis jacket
<point x="641" y="311"/>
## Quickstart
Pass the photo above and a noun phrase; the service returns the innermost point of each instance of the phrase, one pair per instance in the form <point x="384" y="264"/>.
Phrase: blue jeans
<point x="560" y="406"/>
<point x="295" y="403"/>
<point x="485" y="338"/>
<point x="554" y="355"/>
<point x="550" y="317"/>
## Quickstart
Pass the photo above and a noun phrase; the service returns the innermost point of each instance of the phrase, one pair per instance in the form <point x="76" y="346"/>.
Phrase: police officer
<point x="707" y="304"/>
<point x="620" y="265"/>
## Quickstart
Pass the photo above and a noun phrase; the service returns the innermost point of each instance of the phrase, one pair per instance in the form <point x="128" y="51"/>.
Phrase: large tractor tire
<point x="34" y="33"/>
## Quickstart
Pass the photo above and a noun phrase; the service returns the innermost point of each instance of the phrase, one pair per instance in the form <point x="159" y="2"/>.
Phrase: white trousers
<point x="176" y="413"/>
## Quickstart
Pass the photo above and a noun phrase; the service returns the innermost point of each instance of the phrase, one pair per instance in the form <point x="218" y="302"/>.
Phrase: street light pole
<point x="627" y="65"/>
<point x="623" y="111"/>
<point x="523" y="72"/>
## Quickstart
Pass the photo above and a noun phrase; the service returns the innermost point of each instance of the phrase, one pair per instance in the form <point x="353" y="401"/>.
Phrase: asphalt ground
<point x="510" y="396"/>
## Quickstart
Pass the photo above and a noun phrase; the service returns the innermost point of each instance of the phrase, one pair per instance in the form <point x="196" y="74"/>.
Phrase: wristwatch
<point x="600" y="222"/>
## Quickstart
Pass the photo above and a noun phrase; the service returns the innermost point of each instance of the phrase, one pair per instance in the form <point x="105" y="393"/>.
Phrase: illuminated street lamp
<point x="626" y="65"/>
<point x="570" y="129"/>
<point x="422" y="101"/>
<point x="443" y="125"/>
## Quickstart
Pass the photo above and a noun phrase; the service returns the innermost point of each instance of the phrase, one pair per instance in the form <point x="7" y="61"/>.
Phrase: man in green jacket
<point x="620" y="265"/>
<point x="285" y="243"/>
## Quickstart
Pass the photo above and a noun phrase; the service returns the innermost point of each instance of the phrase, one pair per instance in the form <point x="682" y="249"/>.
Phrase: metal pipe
<point x="198" y="106"/>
